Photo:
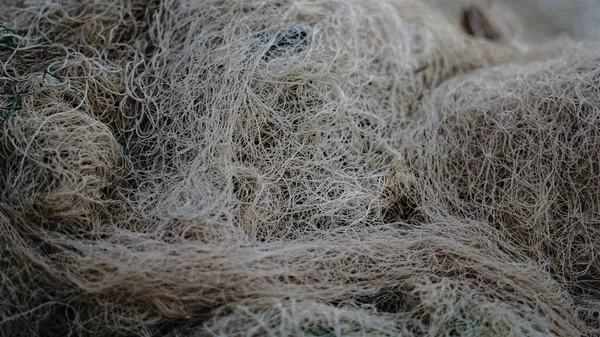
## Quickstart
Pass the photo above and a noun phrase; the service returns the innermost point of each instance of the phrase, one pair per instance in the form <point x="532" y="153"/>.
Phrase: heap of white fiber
<point x="293" y="168"/>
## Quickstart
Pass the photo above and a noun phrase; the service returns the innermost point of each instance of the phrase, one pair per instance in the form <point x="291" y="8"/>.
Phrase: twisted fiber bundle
<point x="226" y="168"/>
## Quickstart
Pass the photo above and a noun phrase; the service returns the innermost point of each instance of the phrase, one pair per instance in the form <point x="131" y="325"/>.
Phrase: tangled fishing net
<point x="294" y="168"/>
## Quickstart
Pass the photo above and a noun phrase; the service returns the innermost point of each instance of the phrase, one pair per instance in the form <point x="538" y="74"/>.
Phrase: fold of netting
<point x="291" y="168"/>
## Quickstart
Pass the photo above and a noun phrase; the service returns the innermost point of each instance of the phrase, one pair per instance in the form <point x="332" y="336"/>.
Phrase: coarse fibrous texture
<point x="517" y="147"/>
<point x="292" y="168"/>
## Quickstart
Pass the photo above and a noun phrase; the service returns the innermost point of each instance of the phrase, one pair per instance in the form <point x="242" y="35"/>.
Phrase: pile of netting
<point x="293" y="168"/>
